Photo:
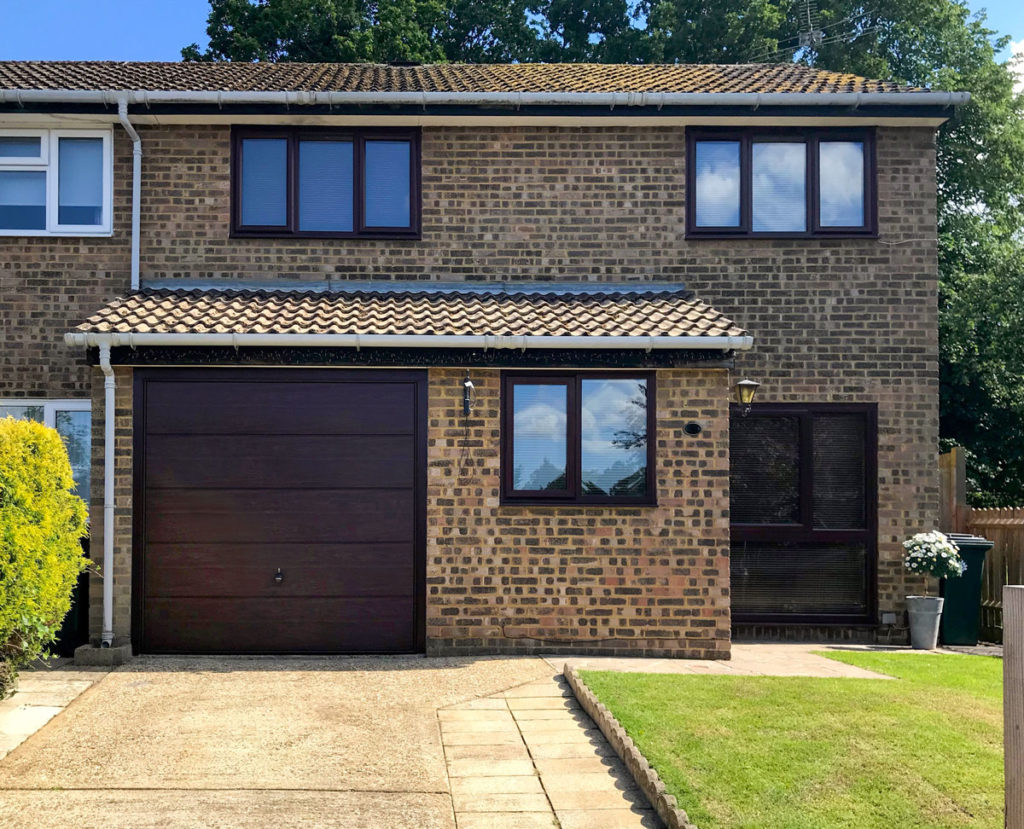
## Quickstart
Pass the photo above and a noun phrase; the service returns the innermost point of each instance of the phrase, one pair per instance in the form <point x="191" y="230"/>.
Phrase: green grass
<point x="923" y="750"/>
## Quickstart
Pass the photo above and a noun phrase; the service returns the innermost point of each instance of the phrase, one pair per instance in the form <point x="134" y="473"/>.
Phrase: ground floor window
<point x="803" y="512"/>
<point x="72" y="420"/>
<point x="583" y="437"/>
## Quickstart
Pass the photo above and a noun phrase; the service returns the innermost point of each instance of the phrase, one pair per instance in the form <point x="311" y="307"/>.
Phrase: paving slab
<point x="518" y="784"/>
<point x="501" y="802"/>
<point x="608" y="819"/>
<point x="507" y="820"/>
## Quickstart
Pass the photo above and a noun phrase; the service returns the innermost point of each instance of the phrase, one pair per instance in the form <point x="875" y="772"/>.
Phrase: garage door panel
<point x="324" y="570"/>
<point x="196" y="408"/>
<point x="299" y="461"/>
<point x="236" y="516"/>
<point x="312" y="625"/>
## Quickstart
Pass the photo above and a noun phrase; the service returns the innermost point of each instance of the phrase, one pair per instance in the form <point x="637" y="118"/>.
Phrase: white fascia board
<point x="517" y="99"/>
<point x="484" y="341"/>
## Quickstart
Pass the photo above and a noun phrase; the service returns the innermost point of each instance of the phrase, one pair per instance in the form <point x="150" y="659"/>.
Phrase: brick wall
<point x="48" y="285"/>
<point x="833" y="320"/>
<point x="625" y="580"/>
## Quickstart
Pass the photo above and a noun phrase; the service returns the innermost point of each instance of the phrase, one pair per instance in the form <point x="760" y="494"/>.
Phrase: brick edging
<point x="646" y="777"/>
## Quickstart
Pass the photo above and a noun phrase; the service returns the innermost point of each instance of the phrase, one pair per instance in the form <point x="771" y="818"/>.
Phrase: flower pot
<point x="925" y="613"/>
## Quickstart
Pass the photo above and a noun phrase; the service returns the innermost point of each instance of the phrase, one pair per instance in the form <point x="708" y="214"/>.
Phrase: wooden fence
<point x="1004" y="564"/>
<point x="1003" y="526"/>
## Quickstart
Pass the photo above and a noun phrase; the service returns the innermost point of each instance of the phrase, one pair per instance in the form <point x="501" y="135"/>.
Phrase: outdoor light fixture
<point x="468" y="395"/>
<point x="745" y="391"/>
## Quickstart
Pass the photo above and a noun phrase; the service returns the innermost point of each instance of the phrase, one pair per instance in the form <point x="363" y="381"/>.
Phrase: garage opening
<point x="279" y="511"/>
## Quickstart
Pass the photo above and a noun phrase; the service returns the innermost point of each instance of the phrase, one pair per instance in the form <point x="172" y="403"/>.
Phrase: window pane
<point x="22" y="200"/>
<point x="21" y="412"/>
<point x="841" y="183"/>
<point x="539" y="437"/>
<point x="387" y="184"/>
<point x="265" y="182"/>
<point x="839" y="471"/>
<point x="789" y="578"/>
<point x="20" y="146"/>
<point x="764" y="476"/>
<point x="74" y="427"/>
<point x="80" y="181"/>
<point x="325" y="185"/>
<point x="717" y="196"/>
<point x="779" y="187"/>
<point x="614" y="437"/>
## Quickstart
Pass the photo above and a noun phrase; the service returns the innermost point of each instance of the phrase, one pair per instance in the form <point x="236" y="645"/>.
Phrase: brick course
<point x="833" y="320"/>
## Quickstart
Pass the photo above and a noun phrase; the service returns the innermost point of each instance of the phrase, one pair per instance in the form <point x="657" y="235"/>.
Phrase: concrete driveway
<point x="204" y="742"/>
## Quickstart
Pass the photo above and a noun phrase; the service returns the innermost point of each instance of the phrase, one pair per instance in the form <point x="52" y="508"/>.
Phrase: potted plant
<point x="929" y="554"/>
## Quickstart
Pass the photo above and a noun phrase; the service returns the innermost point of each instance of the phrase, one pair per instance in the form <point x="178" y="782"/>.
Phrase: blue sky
<point x="157" y="29"/>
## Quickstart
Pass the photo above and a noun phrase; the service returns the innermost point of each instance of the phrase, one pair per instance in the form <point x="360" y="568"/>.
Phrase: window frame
<point x="573" y="380"/>
<point x="48" y="162"/>
<point x="812" y="137"/>
<point x="358" y="136"/>
<point x="805" y="532"/>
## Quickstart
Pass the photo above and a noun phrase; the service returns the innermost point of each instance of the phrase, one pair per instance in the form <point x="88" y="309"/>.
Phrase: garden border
<point x="646" y="777"/>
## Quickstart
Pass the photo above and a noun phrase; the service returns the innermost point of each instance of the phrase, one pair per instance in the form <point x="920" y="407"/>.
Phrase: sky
<point x="157" y="29"/>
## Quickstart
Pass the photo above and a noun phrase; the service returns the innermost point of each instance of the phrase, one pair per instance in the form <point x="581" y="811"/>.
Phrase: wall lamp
<point x="745" y="391"/>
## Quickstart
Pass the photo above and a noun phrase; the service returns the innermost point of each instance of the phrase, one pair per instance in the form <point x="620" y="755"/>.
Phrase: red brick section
<point x="618" y="580"/>
<point x="832" y="320"/>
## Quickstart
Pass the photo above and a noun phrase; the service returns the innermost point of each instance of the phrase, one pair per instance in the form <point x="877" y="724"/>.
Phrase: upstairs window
<point x="780" y="183"/>
<point x="55" y="182"/>
<point x="319" y="182"/>
<point x="578" y="438"/>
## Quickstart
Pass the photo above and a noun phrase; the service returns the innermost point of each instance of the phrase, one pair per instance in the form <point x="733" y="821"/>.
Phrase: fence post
<point x="1013" y="703"/>
<point x="953" y="510"/>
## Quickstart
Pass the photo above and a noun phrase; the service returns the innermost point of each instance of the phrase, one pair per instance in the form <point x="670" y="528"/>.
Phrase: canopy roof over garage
<point x="610" y="317"/>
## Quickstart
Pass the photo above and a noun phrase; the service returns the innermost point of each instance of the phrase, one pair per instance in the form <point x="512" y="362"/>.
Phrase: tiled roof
<point x="354" y="77"/>
<point x="656" y="313"/>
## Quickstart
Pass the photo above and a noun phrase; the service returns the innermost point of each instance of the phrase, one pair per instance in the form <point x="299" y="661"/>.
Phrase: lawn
<point x="922" y="750"/>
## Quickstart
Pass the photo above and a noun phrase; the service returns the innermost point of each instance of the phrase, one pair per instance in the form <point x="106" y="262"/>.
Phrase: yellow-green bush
<point x="42" y="523"/>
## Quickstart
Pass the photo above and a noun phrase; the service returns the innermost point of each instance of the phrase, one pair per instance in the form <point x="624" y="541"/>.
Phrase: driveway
<point x="282" y="742"/>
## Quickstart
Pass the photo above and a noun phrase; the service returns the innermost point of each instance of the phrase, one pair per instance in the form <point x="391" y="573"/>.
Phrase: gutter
<point x="481" y="341"/>
<point x="516" y="99"/>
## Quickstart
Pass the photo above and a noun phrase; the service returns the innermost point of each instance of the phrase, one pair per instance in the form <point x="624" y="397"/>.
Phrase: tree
<point x="321" y="31"/>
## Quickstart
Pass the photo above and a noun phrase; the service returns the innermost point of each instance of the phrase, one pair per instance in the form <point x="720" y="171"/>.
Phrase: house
<point x="445" y="358"/>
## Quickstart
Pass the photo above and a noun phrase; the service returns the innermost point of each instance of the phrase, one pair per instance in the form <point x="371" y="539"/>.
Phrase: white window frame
<point x="50" y="406"/>
<point x="48" y="162"/>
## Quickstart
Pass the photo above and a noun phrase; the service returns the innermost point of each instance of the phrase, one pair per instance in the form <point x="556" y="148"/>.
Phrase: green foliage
<point x="41" y="526"/>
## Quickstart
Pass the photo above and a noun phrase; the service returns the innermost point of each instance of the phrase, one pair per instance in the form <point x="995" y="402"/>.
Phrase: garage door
<point x="280" y="511"/>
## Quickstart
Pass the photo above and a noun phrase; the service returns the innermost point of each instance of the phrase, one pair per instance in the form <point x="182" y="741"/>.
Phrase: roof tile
<point x="453" y="77"/>
<point x="616" y="313"/>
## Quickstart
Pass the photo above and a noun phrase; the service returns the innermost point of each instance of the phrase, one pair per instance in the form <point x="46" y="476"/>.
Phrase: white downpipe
<point x="485" y="341"/>
<point x="122" y="114"/>
<point x="515" y="99"/>
<point x="108" y="495"/>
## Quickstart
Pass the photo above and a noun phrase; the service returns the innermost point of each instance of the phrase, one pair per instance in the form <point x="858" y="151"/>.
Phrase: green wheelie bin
<point x="961" y="611"/>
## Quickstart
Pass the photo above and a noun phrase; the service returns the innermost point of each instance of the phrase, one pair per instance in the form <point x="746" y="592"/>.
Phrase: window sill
<point x="58" y="234"/>
<point x="413" y="235"/>
<point x="554" y="502"/>
<point x="810" y="237"/>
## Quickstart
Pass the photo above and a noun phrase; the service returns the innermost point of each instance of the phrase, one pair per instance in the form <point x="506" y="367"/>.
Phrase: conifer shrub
<point x="42" y="523"/>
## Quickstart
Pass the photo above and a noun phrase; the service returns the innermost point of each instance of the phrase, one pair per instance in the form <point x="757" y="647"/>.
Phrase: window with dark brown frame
<point x="578" y="438"/>
<point x="803" y="513"/>
<point x="782" y="183"/>
<point x="325" y="182"/>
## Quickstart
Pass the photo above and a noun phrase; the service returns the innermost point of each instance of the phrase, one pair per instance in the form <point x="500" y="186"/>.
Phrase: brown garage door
<point x="280" y="511"/>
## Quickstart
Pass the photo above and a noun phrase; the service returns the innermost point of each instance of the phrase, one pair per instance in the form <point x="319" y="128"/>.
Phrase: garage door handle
<point x="278" y="576"/>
